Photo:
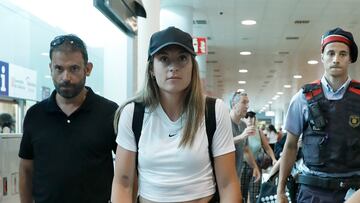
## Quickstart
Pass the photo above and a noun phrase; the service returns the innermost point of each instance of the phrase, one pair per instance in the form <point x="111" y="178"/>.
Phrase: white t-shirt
<point x="168" y="173"/>
<point x="272" y="136"/>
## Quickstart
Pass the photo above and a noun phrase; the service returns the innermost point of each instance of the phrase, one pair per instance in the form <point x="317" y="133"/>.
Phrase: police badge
<point x="354" y="121"/>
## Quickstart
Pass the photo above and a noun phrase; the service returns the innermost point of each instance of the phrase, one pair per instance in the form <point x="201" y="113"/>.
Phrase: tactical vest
<point x="331" y="138"/>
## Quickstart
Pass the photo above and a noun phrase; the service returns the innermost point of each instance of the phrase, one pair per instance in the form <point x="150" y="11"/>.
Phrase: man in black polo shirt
<point x="67" y="141"/>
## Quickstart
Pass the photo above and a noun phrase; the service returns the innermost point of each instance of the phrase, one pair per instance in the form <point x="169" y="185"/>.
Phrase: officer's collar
<point x="328" y="88"/>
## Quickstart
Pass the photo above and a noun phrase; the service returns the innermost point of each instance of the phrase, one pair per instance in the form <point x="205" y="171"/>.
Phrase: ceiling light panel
<point x="248" y="22"/>
<point x="245" y="53"/>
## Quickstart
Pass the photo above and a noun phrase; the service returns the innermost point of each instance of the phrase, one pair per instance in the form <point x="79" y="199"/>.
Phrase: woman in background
<point x="272" y="136"/>
<point x="256" y="143"/>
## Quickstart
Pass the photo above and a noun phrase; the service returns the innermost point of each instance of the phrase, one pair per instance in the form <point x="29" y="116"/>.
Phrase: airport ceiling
<point x="285" y="37"/>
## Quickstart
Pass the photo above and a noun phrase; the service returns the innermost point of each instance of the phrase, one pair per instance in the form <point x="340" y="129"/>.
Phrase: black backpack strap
<point x="210" y="119"/>
<point x="137" y="122"/>
<point x="210" y="124"/>
<point x="314" y="96"/>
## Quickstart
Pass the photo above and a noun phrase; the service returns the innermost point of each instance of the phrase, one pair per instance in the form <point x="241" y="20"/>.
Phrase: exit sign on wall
<point x="200" y="45"/>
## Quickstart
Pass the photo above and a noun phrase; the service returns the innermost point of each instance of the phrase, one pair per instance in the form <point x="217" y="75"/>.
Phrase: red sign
<point x="200" y="45"/>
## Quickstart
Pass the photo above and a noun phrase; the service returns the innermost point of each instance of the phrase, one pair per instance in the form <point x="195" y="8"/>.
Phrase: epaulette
<point x="312" y="90"/>
<point x="354" y="87"/>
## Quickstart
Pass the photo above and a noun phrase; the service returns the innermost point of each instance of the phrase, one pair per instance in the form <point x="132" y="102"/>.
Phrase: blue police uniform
<point x="331" y="134"/>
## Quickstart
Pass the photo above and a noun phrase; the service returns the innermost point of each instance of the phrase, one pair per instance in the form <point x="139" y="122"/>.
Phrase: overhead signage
<point x="4" y="79"/>
<point x="17" y="81"/>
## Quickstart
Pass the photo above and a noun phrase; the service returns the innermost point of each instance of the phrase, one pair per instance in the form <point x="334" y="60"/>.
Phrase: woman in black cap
<point x="258" y="146"/>
<point x="170" y="161"/>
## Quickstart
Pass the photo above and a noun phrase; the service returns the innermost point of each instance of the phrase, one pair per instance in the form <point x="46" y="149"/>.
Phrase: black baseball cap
<point x="170" y="36"/>
<point x="340" y="35"/>
<point x="250" y="114"/>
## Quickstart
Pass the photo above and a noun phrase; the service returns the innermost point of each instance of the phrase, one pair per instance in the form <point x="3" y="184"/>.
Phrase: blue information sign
<point x="4" y="79"/>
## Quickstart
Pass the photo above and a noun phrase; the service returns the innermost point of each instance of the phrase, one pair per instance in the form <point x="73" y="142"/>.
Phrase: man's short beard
<point x="74" y="91"/>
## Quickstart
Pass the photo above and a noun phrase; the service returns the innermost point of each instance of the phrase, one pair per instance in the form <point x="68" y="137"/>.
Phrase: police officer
<point x="327" y="113"/>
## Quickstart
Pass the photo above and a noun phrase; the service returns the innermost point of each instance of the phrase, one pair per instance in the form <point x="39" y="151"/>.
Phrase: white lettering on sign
<point x="202" y="46"/>
<point x="195" y="44"/>
<point x="2" y="76"/>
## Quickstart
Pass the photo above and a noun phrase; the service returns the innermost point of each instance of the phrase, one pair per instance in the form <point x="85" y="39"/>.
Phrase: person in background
<point x="272" y="136"/>
<point x="263" y="129"/>
<point x="65" y="152"/>
<point x="174" y="168"/>
<point x="326" y="112"/>
<point x="257" y="142"/>
<point x="239" y="105"/>
<point x="291" y="184"/>
<point x="7" y="123"/>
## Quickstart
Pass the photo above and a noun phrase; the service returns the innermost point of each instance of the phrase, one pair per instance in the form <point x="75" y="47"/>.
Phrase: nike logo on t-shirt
<point x="172" y="135"/>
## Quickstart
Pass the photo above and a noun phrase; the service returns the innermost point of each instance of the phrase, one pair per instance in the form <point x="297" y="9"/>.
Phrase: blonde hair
<point x="193" y="107"/>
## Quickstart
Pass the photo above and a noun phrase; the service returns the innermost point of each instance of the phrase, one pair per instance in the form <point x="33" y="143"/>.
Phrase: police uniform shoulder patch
<point x="354" y="121"/>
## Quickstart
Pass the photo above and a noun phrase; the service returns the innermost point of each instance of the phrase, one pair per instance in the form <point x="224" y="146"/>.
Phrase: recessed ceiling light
<point x="240" y="90"/>
<point x="270" y="102"/>
<point x="248" y="22"/>
<point x="243" y="70"/>
<point x="313" y="62"/>
<point x="242" y="82"/>
<point x="287" y="86"/>
<point x="280" y="93"/>
<point x="297" y="76"/>
<point x="245" y="53"/>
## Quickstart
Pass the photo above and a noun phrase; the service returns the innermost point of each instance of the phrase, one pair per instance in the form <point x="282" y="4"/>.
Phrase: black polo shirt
<point x="71" y="154"/>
